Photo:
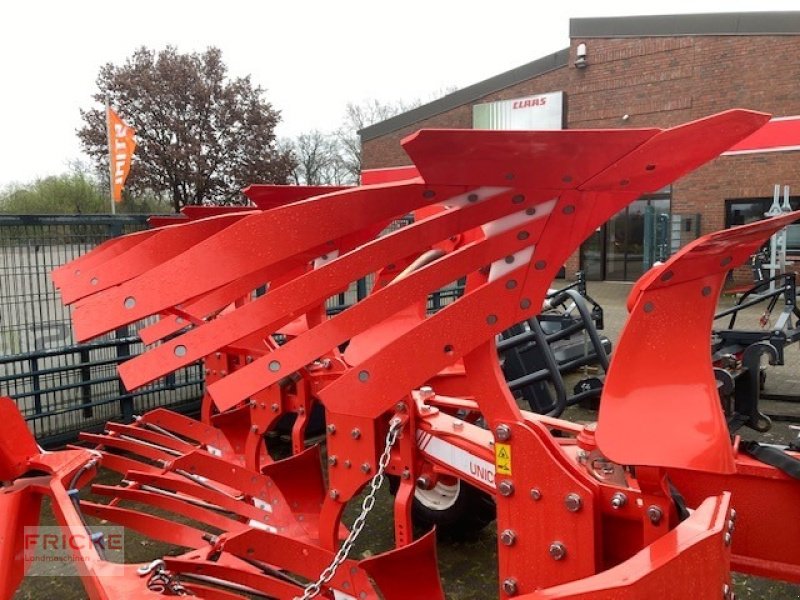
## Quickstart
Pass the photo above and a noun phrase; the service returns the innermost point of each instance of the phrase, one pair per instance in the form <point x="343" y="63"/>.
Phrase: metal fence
<point x="62" y="387"/>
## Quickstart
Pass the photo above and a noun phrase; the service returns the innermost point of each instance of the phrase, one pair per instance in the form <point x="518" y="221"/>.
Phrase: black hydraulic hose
<point x="740" y="304"/>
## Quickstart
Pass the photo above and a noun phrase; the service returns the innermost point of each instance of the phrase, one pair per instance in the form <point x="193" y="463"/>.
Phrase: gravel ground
<point x="468" y="566"/>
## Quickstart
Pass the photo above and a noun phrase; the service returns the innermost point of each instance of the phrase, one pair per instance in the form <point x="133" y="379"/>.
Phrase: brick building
<point x="640" y="72"/>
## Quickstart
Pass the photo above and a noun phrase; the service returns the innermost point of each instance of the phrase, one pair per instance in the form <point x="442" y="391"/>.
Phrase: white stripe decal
<point x="462" y="461"/>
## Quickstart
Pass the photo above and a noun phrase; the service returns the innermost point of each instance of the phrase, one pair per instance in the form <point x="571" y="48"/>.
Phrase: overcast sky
<point x="313" y="57"/>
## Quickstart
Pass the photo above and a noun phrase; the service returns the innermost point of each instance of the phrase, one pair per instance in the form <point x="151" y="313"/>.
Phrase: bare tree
<point x="316" y="155"/>
<point x="201" y="135"/>
<point x="359" y="116"/>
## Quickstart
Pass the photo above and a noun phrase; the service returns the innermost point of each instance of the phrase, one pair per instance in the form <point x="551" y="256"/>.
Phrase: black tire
<point x="466" y="515"/>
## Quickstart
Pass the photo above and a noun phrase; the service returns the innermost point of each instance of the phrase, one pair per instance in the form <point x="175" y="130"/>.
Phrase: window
<point x="742" y="211"/>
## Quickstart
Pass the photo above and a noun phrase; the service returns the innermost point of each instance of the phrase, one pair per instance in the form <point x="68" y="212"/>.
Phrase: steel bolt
<point x="406" y="474"/>
<point x="347" y="464"/>
<point x="458" y="425"/>
<point x="274" y="408"/>
<point x="254" y="429"/>
<point x="505" y="488"/>
<point x="424" y="482"/>
<point x="356" y="433"/>
<point x="618" y="500"/>
<point x="536" y="494"/>
<point x="331" y="428"/>
<point x="655" y="515"/>
<point x="727" y="539"/>
<point x="508" y="537"/>
<point x="400" y="407"/>
<point x="365" y="468"/>
<point x="510" y="586"/>
<point x="502" y="433"/>
<point x="557" y="551"/>
<point x="733" y="515"/>
<point x="334" y="494"/>
<point x="332" y="461"/>
<point x="426" y="392"/>
<point x="573" y="502"/>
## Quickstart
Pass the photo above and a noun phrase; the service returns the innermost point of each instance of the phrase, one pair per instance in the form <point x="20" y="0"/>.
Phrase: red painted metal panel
<point x="781" y="134"/>
<point x="660" y="404"/>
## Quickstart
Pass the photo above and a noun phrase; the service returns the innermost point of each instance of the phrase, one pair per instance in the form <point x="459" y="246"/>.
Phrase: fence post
<point x="123" y="352"/>
<point x="86" y="388"/>
<point x="37" y="388"/>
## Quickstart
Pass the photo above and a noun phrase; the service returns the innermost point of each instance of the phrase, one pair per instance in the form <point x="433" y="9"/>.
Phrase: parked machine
<point x="582" y="511"/>
<point x="537" y="353"/>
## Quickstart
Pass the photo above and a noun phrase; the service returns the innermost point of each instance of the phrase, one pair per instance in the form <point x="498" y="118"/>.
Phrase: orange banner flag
<point x="121" y="146"/>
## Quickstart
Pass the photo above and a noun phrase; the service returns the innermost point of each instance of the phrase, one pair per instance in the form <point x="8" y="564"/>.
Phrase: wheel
<point x="457" y="509"/>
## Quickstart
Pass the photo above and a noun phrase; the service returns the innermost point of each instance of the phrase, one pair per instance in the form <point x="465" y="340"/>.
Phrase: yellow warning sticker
<point x="502" y="459"/>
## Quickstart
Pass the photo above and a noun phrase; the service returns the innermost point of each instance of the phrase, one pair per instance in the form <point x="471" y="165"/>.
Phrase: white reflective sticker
<point x="262" y="505"/>
<point x="501" y="267"/>
<point x="462" y="461"/>
<point x="502" y="224"/>
<point x="478" y="195"/>
<point x="262" y="526"/>
<point x="337" y="595"/>
<point x="325" y="258"/>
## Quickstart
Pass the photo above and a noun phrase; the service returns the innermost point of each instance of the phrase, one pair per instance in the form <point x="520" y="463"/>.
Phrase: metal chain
<point x="312" y="590"/>
<point x="162" y="581"/>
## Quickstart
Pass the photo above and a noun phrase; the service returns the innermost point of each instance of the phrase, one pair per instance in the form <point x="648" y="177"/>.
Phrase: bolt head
<point x="406" y="474"/>
<point x="505" y="488"/>
<point x="356" y="433"/>
<point x="458" y="425"/>
<point x="727" y="538"/>
<point x="365" y="468"/>
<point x="426" y="392"/>
<point x="347" y="464"/>
<point x="254" y="429"/>
<point x="618" y="500"/>
<point x="424" y="482"/>
<point x="332" y="460"/>
<point x="400" y="407"/>
<point x="573" y="502"/>
<point x="655" y="515"/>
<point x="334" y="494"/>
<point x="331" y="428"/>
<point x="536" y="494"/>
<point x="733" y="515"/>
<point x="508" y="537"/>
<point x="557" y="551"/>
<point x="274" y="408"/>
<point x="502" y="433"/>
<point x="510" y="586"/>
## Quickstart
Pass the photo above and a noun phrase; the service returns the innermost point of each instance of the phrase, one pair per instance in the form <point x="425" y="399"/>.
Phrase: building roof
<point x="754" y="23"/>
<point x="467" y="95"/>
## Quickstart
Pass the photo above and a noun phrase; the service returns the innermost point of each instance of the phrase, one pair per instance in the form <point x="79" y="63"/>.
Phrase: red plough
<point x="581" y="511"/>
